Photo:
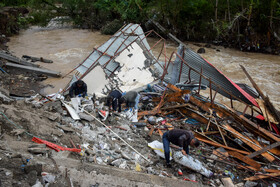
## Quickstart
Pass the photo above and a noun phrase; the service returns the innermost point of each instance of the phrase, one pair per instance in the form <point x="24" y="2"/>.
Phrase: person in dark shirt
<point x="114" y="100"/>
<point x="181" y="138"/>
<point x="78" y="88"/>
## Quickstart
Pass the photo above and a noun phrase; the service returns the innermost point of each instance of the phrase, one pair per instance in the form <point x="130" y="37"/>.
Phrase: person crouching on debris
<point x="131" y="98"/>
<point x="178" y="137"/>
<point x="114" y="100"/>
<point x="78" y="88"/>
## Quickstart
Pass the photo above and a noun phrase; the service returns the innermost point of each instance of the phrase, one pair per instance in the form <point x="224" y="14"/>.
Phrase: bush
<point x="112" y="27"/>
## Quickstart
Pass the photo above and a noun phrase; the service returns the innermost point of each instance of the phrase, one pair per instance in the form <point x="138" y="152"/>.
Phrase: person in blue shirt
<point x="114" y="100"/>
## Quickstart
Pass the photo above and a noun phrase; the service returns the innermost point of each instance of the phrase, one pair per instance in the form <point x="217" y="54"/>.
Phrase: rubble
<point x="73" y="143"/>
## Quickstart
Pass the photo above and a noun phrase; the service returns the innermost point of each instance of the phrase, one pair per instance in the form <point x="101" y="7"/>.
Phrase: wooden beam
<point x="252" y="155"/>
<point x="34" y="69"/>
<point x="220" y="131"/>
<point x="245" y="159"/>
<point x="273" y="111"/>
<point x="220" y="145"/>
<point x="256" y="129"/>
<point x="258" y="177"/>
<point x="245" y="140"/>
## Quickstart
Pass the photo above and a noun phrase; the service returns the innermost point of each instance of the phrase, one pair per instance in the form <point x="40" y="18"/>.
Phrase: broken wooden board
<point x="16" y="60"/>
<point x="258" y="177"/>
<point x="245" y="159"/>
<point x="151" y="131"/>
<point x="34" y="69"/>
<point x="256" y="129"/>
<point x="269" y="147"/>
<point x="269" y="105"/>
<point x="220" y="145"/>
<point x="266" y="113"/>
<point x="249" y="143"/>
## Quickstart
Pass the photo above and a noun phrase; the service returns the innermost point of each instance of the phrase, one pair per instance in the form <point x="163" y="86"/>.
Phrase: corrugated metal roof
<point x="196" y="62"/>
<point x="117" y="43"/>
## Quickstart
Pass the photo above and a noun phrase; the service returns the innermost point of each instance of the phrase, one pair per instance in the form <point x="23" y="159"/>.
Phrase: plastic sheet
<point x="191" y="163"/>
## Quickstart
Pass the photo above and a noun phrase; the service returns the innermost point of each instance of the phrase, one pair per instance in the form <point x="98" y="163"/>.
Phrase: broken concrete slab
<point x="34" y="69"/>
<point x="16" y="60"/>
<point x="86" y="117"/>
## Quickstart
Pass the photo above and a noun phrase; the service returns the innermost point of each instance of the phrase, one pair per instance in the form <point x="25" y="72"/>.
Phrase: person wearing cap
<point x="178" y="137"/>
<point x="114" y="100"/>
<point x="78" y="88"/>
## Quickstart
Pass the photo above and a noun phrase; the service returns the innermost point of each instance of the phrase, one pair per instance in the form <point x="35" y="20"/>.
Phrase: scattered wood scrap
<point x="219" y="126"/>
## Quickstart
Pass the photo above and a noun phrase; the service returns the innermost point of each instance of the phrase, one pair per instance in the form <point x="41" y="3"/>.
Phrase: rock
<point x="52" y="116"/>
<point x="91" y="159"/>
<point x="101" y="130"/>
<point x="86" y="117"/>
<point x="250" y="184"/>
<point x="4" y="91"/>
<point x="201" y="50"/>
<point x="91" y="151"/>
<point x="4" y="99"/>
<point x="152" y="120"/>
<point x="117" y="162"/>
<point x="32" y="177"/>
<point x="124" y="155"/>
<point x="36" y="167"/>
<point x="241" y="184"/>
<point x="6" y="177"/>
<point x="65" y="128"/>
<point x="17" y="131"/>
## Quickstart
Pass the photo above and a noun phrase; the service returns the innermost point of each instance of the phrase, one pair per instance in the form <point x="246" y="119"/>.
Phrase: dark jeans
<point x="116" y="104"/>
<point x="166" y="144"/>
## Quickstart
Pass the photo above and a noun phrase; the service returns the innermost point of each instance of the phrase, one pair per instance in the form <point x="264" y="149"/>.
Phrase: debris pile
<point x="54" y="140"/>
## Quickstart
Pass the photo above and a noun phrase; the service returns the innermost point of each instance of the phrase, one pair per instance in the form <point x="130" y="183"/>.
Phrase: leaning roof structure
<point x="126" y="62"/>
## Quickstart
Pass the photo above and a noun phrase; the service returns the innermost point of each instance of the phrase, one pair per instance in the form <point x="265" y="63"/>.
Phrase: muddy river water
<point x="68" y="47"/>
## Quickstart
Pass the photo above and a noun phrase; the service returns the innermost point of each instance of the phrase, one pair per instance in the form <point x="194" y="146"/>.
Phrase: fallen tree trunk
<point x="34" y="59"/>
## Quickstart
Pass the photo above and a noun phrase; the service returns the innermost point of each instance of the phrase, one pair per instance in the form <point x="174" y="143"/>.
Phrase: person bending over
<point x="78" y="88"/>
<point x="178" y="137"/>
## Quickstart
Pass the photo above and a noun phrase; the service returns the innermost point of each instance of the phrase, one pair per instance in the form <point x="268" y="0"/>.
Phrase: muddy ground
<point x="23" y="119"/>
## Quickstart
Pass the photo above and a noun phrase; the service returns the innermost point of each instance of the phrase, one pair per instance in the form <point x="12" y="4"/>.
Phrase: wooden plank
<point x="262" y="169"/>
<point x="16" y="60"/>
<point x="175" y="106"/>
<point x="252" y="155"/>
<point x="220" y="145"/>
<point x="220" y="132"/>
<point x="34" y="69"/>
<point x="258" y="177"/>
<point x="245" y="159"/>
<point x="256" y="129"/>
<point x="270" y="106"/>
<point x="151" y="131"/>
<point x="245" y="140"/>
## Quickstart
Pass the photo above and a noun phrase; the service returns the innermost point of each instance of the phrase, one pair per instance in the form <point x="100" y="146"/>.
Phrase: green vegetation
<point x="238" y="23"/>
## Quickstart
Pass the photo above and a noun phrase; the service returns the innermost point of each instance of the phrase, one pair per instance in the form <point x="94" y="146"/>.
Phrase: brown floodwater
<point x="68" y="47"/>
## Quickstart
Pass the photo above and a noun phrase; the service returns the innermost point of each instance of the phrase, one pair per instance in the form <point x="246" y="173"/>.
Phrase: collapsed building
<point x="237" y="145"/>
